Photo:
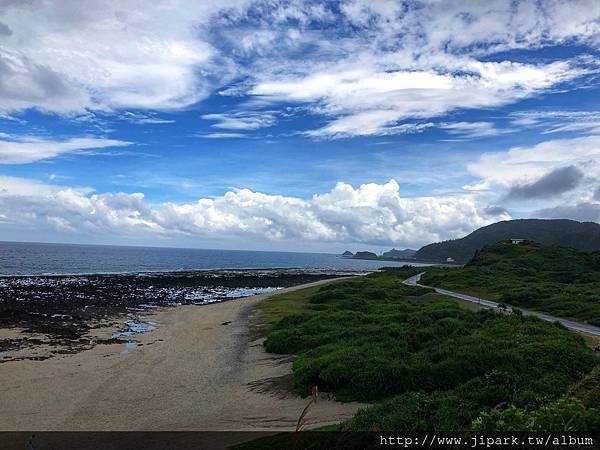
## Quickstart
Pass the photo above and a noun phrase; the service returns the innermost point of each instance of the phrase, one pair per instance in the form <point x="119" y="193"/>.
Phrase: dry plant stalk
<point x="302" y="419"/>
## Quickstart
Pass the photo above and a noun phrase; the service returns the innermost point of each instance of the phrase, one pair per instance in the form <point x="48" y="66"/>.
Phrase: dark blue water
<point x="19" y="258"/>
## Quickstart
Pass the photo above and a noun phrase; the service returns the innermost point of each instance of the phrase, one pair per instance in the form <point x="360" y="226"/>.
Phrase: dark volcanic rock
<point x="66" y="308"/>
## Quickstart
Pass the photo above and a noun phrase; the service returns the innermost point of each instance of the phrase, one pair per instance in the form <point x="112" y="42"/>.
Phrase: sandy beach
<point x="202" y="368"/>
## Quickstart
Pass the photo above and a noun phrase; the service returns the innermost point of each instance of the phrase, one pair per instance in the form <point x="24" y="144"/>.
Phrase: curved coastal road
<point x="576" y="326"/>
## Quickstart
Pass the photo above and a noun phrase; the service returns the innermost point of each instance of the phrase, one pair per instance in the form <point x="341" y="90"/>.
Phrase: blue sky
<point x="295" y="125"/>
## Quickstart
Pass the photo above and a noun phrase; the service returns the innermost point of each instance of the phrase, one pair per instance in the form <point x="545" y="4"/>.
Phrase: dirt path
<point x="194" y="372"/>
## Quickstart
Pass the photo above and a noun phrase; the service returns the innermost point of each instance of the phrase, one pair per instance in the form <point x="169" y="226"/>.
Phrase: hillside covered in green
<point x="568" y="233"/>
<point x="558" y="280"/>
<point x="423" y="361"/>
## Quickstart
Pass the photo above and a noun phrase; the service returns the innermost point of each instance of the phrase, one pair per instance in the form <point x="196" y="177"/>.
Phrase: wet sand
<point x="195" y="371"/>
<point x="68" y="313"/>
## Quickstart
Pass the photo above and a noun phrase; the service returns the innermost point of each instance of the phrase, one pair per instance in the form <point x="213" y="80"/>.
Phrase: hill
<point x="399" y="254"/>
<point x="365" y="255"/>
<point x="559" y="280"/>
<point x="569" y="233"/>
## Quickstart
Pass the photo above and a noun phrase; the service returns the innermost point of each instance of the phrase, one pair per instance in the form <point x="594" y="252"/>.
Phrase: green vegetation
<point x="565" y="414"/>
<point x="424" y="361"/>
<point x="559" y="280"/>
<point x="569" y="233"/>
<point x="281" y="305"/>
<point x="578" y="411"/>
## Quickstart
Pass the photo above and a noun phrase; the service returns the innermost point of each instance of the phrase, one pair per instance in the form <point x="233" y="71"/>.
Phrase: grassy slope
<point x="577" y="411"/>
<point x="427" y="363"/>
<point x="294" y="302"/>
<point x="558" y="280"/>
<point x="568" y="233"/>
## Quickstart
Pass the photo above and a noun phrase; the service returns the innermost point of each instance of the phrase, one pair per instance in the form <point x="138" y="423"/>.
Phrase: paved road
<point x="576" y="326"/>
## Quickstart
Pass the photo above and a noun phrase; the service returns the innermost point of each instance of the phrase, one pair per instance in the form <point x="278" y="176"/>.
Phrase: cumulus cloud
<point x="557" y="178"/>
<point x="5" y="30"/>
<point x="495" y="210"/>
<point x="371" y="214"/>
<point x="25" y="83"/>
<point x="68" y="57"/>
<point x="523" y="165"/>
<point x="553" y="183"/>
<point x="27" y="149"/>
<point x="584" y="212"/>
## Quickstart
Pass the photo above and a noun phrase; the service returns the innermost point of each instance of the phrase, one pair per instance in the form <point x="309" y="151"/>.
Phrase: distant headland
<point x="391" y="255"/>
<point x="568" y="233"/>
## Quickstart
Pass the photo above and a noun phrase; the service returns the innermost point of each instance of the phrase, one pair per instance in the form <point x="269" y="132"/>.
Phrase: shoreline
<point x="178" y="272"/>
<point x="203" y="368"/>
<point x="408" y="262"/>
<point x="75" y="313"/>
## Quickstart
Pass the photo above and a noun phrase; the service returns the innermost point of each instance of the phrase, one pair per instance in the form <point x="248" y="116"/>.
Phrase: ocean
<point x="21" y="258"/>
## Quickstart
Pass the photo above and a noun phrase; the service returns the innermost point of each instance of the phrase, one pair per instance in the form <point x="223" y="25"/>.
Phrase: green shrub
<point x="558" y="280"/>
<point x="429" y="364"/>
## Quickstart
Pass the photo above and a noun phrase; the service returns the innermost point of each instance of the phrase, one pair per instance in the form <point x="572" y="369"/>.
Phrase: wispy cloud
<point x="243" y="120"/>
<point x="28" y="149"/>
<point x="344" y="59"/>
<point x="221" y="135"/>
<point x="586" y="122"/>
<point x="473" y="130"/>
<point x="143" y="119"/>
<point x="374" y="101"/>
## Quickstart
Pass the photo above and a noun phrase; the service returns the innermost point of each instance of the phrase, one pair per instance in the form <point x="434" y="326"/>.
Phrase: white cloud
<point x="548" y="179"/>
<point x="559" y="121"/>
<point x="381" y="60"/>
<point x="584" y="212"/>
<point x="245" y="120"/>
<point x="220" y="135"/>
<point x="66" y="57"/>
<point x="417" y="60"/>
<point x="375" y="100"/>
<point x="27" y="149"/>
<point x="527" y="164"/>
<point x="144" y="119"/>
<point x="470" y="130"/>
<point x="494" y="25"/>
<point x="371" y="214"/>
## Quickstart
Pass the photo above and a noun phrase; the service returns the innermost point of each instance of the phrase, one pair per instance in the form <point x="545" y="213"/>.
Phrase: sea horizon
<point x="60" y="259"/>
<point x="178" y="247"/>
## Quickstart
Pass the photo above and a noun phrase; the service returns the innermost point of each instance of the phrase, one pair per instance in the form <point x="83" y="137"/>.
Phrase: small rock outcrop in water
<point x="347" y="254"/>
<point x="365" y="255"/>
